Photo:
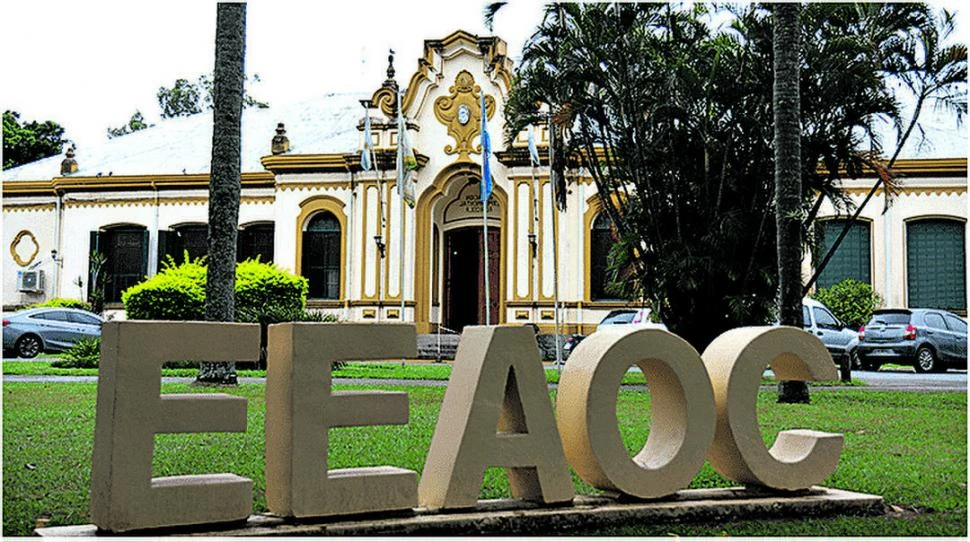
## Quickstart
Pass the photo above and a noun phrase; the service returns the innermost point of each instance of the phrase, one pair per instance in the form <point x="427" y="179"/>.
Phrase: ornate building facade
<point x="308" y="206"/>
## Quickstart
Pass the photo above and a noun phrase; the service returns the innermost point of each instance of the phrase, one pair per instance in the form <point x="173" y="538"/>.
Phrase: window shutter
<point x="144" y="252"/>
<point x="163" y="236"/>
<point x="936" y="267"/>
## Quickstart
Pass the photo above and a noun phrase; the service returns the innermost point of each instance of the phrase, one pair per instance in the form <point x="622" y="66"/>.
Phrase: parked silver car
<point x="930" y="340"/>
<point x="840" y="341"/>
<point x="29" y="332"/>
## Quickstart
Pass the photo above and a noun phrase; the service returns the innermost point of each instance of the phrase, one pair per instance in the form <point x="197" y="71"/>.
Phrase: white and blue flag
<point x="365" y="161"/>
<point x="533" y="151"/>
<point x="486" y="155"/>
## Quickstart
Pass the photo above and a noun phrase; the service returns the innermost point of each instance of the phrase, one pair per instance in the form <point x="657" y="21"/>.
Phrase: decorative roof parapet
<point x="494" y="50"/>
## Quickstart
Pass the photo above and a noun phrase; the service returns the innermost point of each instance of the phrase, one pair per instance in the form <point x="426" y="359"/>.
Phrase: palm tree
<point x="224" y="185"/>
<point x="786" y="105"/>
<point x="910" y="43"/>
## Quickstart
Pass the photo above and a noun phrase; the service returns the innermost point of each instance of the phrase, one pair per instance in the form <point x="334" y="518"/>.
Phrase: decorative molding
<point x="310" y="185"/>
<point x="912" y="190"/>
<point x="460" y="113"/>
<point x="15" y="208"/>
<point x="332" y="163"/>
<point x="255" y="179"/>
<point x="24" y="235"/>
<point x="493" y="50"/>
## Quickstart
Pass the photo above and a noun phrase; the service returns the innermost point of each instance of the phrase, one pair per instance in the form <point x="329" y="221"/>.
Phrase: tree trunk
<point x="788" y="183"/>
<point x="224" y="183"/>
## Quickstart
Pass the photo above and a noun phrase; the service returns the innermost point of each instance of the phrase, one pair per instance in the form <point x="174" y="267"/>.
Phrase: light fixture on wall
<point x="379" y="239"/>
<point x="534" y="243"/>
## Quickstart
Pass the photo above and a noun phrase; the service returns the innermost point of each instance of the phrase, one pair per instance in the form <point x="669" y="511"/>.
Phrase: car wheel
<point x="28" y="346"/>
<point x="926" y="361"/>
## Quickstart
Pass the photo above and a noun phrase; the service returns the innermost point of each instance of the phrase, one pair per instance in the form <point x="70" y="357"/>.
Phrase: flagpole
<point x="402" y="126"/>
<point x="486" y="194"/>
<point x="555" y="245"/>
<point x="488" y="290"/>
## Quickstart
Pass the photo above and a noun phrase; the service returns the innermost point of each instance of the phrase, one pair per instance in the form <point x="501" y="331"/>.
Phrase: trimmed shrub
<point x="851" y="301"/>
<point x="177" y="292"/>
<point x="85" y="354"/>
<point x="65" y="302"/>
<point x="263" y="287"/>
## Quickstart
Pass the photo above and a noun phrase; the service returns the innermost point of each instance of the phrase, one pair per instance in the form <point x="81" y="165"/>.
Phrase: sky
<point x="89" y="65"/>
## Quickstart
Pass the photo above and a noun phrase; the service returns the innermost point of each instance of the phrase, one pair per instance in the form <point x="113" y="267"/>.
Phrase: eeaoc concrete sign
<point x="703" y="408"/>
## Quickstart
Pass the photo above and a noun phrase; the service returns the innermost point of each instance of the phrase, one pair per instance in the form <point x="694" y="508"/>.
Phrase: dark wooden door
<point x="464" y="288"/>
<point x="494" y="253"/>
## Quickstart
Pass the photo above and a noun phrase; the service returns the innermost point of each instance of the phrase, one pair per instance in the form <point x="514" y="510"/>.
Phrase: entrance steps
<point x="428" y="346"/>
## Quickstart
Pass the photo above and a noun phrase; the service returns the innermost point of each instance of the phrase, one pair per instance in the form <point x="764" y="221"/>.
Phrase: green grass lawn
<point x="366" y="370"/>
<point x="908" y="447"/>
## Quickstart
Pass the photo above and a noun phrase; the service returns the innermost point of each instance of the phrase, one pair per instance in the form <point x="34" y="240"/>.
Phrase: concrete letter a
<point x="496" y="412"/>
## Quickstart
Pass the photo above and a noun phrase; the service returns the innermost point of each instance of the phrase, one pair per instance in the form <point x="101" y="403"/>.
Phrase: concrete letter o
<point x="736" y="361"/>
<point x="682" y="424"/>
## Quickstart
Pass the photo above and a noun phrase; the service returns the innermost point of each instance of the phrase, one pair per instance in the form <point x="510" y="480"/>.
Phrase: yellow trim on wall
<point x="253" y="179"/>
<point x="912" y="190"/>
<point x="21" y="235"/>
<point x="14" y="208"/>
<point x="310" y="207"/>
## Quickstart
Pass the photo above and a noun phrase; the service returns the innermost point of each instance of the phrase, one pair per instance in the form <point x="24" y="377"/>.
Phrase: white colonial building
<point x="308" y="206"/>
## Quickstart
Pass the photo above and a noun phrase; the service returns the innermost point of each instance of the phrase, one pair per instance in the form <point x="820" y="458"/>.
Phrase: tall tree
<point x="30" y="141"/>
<point x="672" y="118"/>
<point x="923" y="66"/>
<point x="186" y="98"/>
<point x="786" y="105"/>
<point x="225" y="177"/>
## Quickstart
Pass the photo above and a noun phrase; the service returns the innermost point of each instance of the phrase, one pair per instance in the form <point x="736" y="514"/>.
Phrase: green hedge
<point x="62" y="302"/>
<point x="852" y="301"/>
<point x="178" y="291"/>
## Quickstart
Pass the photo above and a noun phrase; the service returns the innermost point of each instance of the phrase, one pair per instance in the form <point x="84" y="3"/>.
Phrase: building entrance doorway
<point x="464" y="287"/>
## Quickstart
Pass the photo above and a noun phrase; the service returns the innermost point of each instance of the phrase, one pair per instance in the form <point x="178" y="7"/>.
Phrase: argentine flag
<point x="486" y="155"/>
<point x="365" y="162"/>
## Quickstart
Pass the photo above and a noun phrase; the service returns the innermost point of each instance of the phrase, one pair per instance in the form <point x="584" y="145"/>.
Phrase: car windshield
<point x="890" y="318"/>
<point x="619" y="318"/>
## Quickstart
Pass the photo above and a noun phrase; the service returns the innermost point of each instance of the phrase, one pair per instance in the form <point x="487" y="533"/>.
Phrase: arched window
<point x="600" y="241"/>
<point x="321" y="256"/>
<point x="936" y="264"/>
<point x="852" y="259"/>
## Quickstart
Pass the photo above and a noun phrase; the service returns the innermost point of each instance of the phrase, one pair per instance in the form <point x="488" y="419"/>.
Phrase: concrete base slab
<point x="509" y="516"/>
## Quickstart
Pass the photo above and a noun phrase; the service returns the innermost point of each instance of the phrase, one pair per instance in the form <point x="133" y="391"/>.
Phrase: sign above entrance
<point x="468" y="205"/>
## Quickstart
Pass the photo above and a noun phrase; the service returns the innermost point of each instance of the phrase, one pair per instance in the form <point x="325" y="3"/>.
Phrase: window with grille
<point x="936" y="264"/>
<point x="852" y="259"/>
<point x="600" y="242"/>
<point x="321" y="256"/>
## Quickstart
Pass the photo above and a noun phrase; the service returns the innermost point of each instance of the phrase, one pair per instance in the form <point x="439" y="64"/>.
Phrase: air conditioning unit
<point x="30" y="281"/>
